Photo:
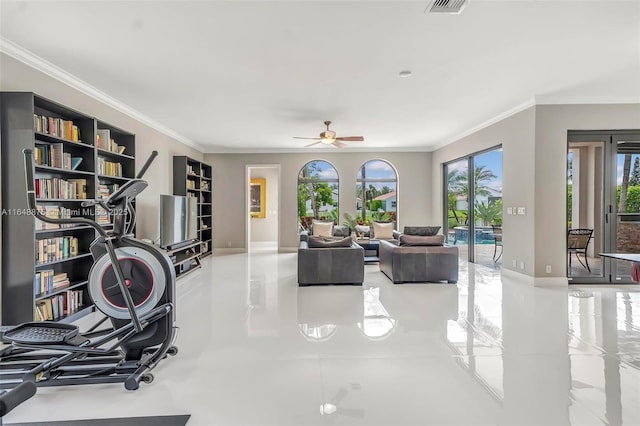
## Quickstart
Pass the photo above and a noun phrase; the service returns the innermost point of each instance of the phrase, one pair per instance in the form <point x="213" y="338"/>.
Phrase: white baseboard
<point x="535" y="281"/>
<point x="226" y="250"/>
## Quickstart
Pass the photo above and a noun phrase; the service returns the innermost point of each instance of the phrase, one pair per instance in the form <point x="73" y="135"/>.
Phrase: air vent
<point x="446" y="6"/>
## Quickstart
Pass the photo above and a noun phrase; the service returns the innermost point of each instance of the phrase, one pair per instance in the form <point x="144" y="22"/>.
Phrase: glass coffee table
<point x="371" y="249"/>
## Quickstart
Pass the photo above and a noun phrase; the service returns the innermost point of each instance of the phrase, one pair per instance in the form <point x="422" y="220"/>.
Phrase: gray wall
<point x="229" y="200"/>
<point x="15" y="76"/>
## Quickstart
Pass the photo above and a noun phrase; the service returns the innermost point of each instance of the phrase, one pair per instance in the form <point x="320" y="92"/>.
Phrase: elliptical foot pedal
<point x="42" y="333"/>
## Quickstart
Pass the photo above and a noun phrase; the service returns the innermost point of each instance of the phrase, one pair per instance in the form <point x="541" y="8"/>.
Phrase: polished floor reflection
<point x="256" y="349"/>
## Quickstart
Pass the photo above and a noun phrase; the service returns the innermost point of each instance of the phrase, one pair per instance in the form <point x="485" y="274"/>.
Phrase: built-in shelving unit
<point x="45" y="268"/>
<point x="193" y="178"/>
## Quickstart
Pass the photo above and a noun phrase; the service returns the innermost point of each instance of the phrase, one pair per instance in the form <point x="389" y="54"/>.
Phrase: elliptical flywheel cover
<point x="144" y="277"/>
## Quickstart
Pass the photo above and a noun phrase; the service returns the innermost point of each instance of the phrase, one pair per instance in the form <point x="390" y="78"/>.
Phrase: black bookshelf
<point x="68" y="155"/>
<point x="193" y="178"/>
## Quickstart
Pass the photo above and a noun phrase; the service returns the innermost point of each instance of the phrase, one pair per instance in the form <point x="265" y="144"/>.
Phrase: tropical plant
<point x="489" y="213"/>
<point x="626" y="170"/>
<point x="351" y="221"/>
<point x="381" y="216"/>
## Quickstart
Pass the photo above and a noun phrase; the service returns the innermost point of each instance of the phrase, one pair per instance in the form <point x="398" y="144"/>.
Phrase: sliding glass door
<point x="473" y="218"/>
<point x="603" y="204"/>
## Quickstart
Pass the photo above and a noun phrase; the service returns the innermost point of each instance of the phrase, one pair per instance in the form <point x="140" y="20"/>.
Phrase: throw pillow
<point x="324" y="242"/>
<point x="341" y="231"/>
<point x="421" y="240"/>
<point x="322" y="229"/>
<point x="421" y="230"/>
<point x="383" y="231"/>
<point x="363" y="229"/>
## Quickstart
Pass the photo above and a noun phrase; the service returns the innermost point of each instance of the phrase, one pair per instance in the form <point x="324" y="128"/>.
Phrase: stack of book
<point x="53" y="249"/>
<point x="108" y="168"/>
<point x="105" y="142"/>
<point x="54" y="212"/>
<point x="70" y="189"/>
<point x="53" y="155"/>
<point x="105" y="190"/>
<point x="48" y="281"/>
<point x="64" y="129"/>
<point x="56" y="307"/>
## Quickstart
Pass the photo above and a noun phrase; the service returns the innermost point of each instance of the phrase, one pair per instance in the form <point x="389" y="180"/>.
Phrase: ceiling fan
<point x="328" y="137"/>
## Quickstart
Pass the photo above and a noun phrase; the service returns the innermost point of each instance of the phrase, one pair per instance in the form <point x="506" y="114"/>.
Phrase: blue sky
<point x="491" y="160"/>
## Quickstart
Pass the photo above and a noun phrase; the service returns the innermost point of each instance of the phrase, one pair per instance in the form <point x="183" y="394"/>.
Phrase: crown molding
<point x="577" y="100"/>
<point x="32" y="60"/>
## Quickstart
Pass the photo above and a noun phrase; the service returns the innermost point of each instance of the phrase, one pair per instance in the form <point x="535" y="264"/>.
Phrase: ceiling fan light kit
<point x="328" y="137"/>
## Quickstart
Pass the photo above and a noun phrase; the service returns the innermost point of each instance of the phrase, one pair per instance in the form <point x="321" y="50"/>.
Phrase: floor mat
<point x="180" y="420"/>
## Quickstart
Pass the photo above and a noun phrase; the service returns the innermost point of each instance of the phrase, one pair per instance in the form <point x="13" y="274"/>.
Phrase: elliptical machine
<point x="131" y="282"/>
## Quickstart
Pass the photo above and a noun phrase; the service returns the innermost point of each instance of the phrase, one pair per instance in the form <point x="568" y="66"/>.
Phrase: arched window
<point x="376" y="192"/>
<point x="318" y="192"/>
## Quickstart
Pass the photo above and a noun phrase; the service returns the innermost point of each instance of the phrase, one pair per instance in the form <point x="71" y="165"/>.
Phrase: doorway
<point x="263" y="207"/>
<point x="603" y="204"/>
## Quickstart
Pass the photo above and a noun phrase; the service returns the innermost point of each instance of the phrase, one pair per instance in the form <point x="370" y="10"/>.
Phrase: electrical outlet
<point x="548" y="269"/>
<point x="509" y="210"/>
<point x="522" y="264"/>
<point x="522" y="210"/>
<point x="514" y="263"/>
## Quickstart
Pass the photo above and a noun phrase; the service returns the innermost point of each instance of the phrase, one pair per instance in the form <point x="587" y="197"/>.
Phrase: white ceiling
<point x="247" y="76"/>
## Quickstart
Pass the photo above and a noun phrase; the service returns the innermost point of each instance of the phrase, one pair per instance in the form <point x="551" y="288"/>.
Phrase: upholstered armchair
<point x="327" y="261"/>
<point x="419" y="258"/>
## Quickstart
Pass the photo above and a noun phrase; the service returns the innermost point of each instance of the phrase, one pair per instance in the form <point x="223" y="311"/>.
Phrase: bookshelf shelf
<point x="26" y="122"/>
<point x="66" y="259"/>
<point x="67" y="229"/>
<point x="61" y="290"/>
<point x="188" y="171"/>
<point x="62" y="171"/>
<point x="45" y="137"/>
<point x="114" y="154"/>
<point x="85" y="310"/>
<point x="123" y="179"/>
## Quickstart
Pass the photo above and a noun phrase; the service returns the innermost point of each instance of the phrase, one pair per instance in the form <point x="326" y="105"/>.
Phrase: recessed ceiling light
<point x="405" y="74"/>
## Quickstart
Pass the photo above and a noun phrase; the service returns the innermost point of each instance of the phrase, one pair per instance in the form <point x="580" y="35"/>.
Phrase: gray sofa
<point x="330" y="265"/>
<point x="418" y="263"/>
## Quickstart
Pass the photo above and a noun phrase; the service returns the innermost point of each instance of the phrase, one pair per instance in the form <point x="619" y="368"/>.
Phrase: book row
<point x="108" y="168"/>
<point x="56" y="307"/>
<point x="106" y="142"/>
<point x="56" y="127"/>
<point x="53" y="155"/>
<point x="71" y="189"/>
<point x="53" y="249"/>
<point x="48" y="281"/>
<point x="105" y="190"/>
<point x="53" y="212"/>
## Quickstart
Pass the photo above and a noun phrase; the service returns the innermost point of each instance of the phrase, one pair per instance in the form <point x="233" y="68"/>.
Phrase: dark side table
<point x="371" y="250"/>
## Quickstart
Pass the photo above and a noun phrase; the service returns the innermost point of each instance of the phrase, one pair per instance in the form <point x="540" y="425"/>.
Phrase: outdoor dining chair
<point x="577" y="243"/>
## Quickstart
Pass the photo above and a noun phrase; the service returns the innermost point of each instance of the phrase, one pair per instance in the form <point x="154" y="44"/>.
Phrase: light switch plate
<point x="521" y="210"/>
<point x="509" y="210"/>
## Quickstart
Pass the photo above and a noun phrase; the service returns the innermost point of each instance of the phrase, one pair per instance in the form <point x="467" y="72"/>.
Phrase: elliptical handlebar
<point x="147" y="163"/>
<point x="16" y="396"/>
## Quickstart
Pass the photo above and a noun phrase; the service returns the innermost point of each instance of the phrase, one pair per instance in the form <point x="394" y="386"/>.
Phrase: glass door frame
<point x="608" y="221"/>
<point x="471" y="197"/>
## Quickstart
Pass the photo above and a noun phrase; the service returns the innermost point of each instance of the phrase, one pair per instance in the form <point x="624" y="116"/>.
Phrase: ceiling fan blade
<point x="351" y="138"/>
<point x="298" y="137"/>
<point x="312" y="144"/>
<point x="339" y="144"/>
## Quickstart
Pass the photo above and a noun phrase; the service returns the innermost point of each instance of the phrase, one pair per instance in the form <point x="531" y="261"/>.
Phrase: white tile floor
<point x="256" y="349"/>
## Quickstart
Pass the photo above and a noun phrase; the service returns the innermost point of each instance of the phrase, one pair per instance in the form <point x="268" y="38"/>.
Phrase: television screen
<point x="178" y="220"/>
